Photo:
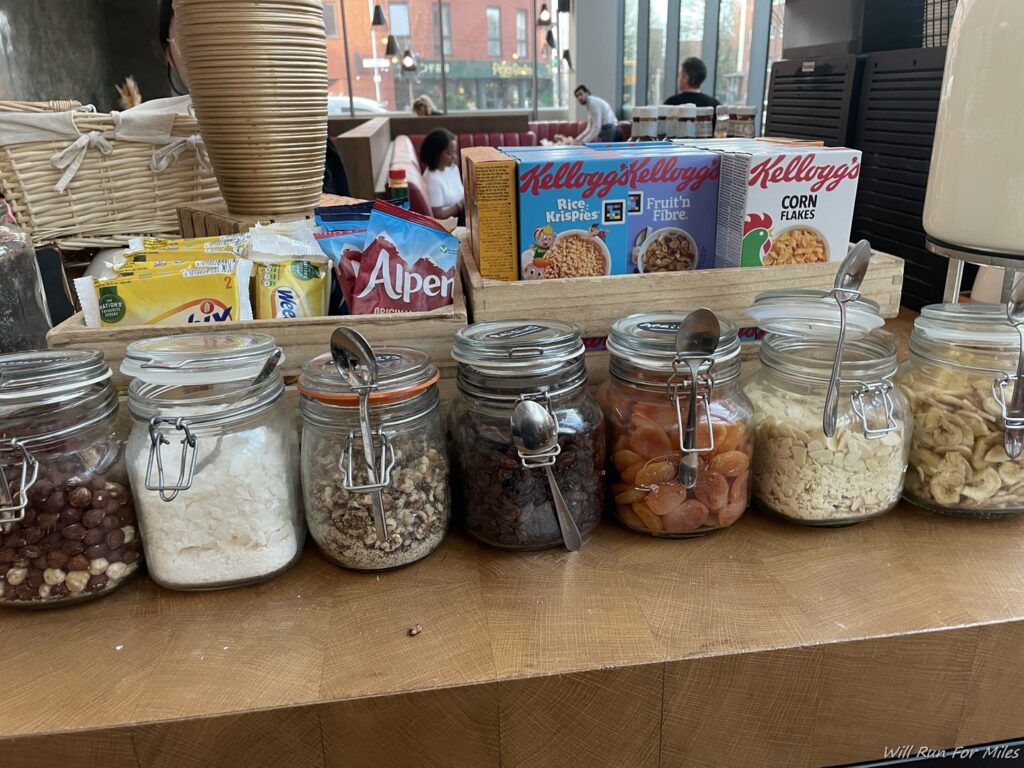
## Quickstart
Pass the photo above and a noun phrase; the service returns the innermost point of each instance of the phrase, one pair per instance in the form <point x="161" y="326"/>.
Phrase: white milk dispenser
<point x="974" y="208"/>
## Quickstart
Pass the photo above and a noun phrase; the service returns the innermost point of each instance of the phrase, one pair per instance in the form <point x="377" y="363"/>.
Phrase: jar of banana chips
<point x="959" y="381"/>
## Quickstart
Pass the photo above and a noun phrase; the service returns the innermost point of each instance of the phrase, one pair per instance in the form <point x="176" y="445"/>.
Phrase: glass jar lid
<point x="648" y="340"/>
<point x="979" y="325"/>
<point x="514" y="347"/>
<point x="35" y="375"/>
<point x="199" y="358"/>
<point x="813" y="314"/>
<point x="402" y="373"/>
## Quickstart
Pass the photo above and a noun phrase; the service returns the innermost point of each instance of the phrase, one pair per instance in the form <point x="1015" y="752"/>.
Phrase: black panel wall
<point x="813" y="99"/>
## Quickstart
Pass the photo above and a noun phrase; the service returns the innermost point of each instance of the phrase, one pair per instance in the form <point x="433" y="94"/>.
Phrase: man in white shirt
<point x="602" y="124"/>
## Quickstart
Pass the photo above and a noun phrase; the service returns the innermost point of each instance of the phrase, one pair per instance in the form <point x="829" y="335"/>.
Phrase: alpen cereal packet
<point x="407" y="264"/>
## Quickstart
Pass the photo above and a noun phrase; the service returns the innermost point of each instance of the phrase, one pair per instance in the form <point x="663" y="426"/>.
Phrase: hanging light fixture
<point x="392" y="49"/>
<point x="567" y="58"/>
<point x="378" y="17"/>
<point x="408" y="62"/>
<point x="550" y="39"/>
<point x="544" y="17"/>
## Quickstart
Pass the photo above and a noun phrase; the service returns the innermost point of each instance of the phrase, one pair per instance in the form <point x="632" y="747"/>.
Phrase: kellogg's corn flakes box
<point x="786" y="205"/>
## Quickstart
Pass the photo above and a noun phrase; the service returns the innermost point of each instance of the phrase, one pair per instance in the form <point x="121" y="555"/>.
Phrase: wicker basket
<point x="114" y="194"/>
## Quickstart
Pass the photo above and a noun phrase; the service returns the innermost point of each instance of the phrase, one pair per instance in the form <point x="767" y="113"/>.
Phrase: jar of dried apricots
<point x="645" y="403"/>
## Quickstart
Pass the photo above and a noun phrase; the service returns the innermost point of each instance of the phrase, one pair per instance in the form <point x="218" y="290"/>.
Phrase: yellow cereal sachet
<point x="215" y="292"/>
<point x="289" y="288"/>
<point x="232" y="244"/>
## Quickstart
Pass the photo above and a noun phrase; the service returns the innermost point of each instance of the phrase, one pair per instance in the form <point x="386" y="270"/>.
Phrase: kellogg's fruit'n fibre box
<point x="572" y="213"/>
<point x="672" y="207"/>
<point x="786" y="205"/>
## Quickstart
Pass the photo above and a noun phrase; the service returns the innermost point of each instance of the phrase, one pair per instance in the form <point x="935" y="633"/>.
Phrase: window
<point x="443" y="29"/>
<point x="521" y="26"/>
<point x="691" y="31"/>
<point x="735" y="30"/>
<point x="494" y="32"/>
<point x="629" y="30"/>
<point x="331" y="20"/>
<point x="656" y="51"/>
<point x="399" y="19"/>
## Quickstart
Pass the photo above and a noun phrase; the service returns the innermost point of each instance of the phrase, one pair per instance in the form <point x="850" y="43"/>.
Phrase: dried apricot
<point x="630" y="495"/>
<point x="650" y="443"/>
<point x="654" y="472"/>
<point x="627" y="516"/>
<point x="662" y="413"/>
<point x="629" y="473"/>
<point x="688" y="516"/>
<point x="621" y="443"/>
<point x="738" y="490"/>
<point x="728" y="436"/>
<point x="730" y="463"/>
<point x="651" y="521"/>
<point x="712" y="490"/>
<point x="730" y="514"/>
<point x="626" y="458"/>
<point x="639" y="422"/>
<point x="667" y="498"/>
<point x="617" y="488"/>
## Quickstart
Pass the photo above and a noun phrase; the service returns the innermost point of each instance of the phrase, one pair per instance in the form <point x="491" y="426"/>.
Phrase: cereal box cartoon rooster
<point x="543" y="239"/>
<point x="757" y="240"/>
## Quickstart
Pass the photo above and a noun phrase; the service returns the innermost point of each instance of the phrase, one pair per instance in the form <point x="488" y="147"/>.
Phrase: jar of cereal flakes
<point x="646" y="403"/>
<point x="960" y="380"/>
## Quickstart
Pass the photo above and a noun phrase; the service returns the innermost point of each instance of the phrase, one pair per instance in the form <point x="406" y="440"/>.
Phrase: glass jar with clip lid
<point x="801" y="473"/>
<point x="374" y="460"/>
<point x="962" y="380"/>
<point x="529" y="436"/>
<point x="67" y="521"/>
<point x="213" y="459"/>
<point x="678" y="423"/>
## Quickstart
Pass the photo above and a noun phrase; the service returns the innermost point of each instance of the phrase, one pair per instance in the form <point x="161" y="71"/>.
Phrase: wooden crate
<point x="593" y="303"/>
<point x="301" y="338"/>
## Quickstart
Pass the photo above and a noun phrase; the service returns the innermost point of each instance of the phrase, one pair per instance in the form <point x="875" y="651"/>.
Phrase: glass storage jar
<point x="646" y="402"/>
<point x="213" y="459"/>
<point x="409" y="455"/>
<point x="799" y="473"/>
<point x="958" y="380"/>
<point x="505" y="502"/>
<point x="67" y="522"/>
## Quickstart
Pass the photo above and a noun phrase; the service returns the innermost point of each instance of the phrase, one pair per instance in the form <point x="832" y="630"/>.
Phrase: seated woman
<point x="443" y="182"/>
<point x="424" y="107"/>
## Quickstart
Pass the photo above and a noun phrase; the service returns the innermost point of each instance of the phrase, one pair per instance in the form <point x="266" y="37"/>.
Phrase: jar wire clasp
<point x="384" y="461"/>
<point x="1013" y="422"/>
<point x="189" y="452"/>
<point x="863" y="402"/>
<point x="683" y="388"/>
<point x="12" y="506"/>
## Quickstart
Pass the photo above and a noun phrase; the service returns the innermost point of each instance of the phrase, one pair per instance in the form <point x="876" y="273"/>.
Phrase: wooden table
<point x="766" y="644"/>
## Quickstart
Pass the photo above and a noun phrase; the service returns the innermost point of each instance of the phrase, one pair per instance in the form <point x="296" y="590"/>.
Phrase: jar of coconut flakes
<point x="213" y="459"/>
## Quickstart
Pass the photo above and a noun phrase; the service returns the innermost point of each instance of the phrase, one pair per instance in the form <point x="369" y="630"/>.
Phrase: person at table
<point x="424" y="106"/>
<point x="442" y="180"/>
<point x="335" y="178"/>
<point x="602" y="124"/>
<point x="692" y="75"/>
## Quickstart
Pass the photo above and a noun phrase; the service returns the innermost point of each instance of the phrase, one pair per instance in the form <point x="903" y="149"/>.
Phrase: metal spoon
<point x="535" y="433"/>
<point x="1013" y="438"/>
<point x="847" y="288"/>
<point x="355" y="360"/>
<point x="696" y="342"/>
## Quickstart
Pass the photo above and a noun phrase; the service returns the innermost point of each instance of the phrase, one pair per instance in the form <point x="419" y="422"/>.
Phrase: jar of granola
<point x="410" y="483"/>
<point x="68" y="531"/>
<point x="506" y="499"/>
<point x="799" y="473"/>
<point x="959" y="381"/>
<point x="646" y="404"/>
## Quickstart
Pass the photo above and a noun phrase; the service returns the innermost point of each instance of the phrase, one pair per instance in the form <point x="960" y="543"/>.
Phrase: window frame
<point x="331" y="12"/>
<point x="404" y="5"/>
<point x="523" y="42"/>
<point x="442" y="13"/>
<point x="493" y="41"/>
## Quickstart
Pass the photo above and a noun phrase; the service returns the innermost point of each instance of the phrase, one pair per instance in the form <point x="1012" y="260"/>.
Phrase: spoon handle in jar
<point x="379" y="522"/>
<point x="831" y="414"/>
<point x="1013" y="439"/>
<point x="570" y="533"/>
<point x="688" y="462"/>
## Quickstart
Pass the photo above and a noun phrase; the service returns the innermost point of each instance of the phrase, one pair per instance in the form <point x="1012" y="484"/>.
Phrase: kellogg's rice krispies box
<point x="786" y="205"/>
<point x="615" y="211"/>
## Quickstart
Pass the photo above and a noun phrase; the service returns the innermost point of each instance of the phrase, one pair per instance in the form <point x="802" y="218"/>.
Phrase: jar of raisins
<point x="67" y="523"/>
<point x="506" y="500"/>
<point x="647" y="401"/>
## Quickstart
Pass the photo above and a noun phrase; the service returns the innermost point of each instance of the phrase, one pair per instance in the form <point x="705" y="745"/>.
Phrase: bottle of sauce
<point x="722" y="119"/>
<point x="688" y="121"/>
<point x="398" y="186"/>
<point x="742" y="122"/>
<point x="663" y="113"/>
<point x="705" y="122"/>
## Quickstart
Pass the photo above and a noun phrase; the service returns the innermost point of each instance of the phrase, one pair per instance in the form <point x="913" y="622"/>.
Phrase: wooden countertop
<point x="766" y="643"/>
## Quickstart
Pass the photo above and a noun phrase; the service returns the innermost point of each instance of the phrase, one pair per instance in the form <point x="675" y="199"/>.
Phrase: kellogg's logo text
<point x="803" y="169"/>
<point x="548" y="176"/>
